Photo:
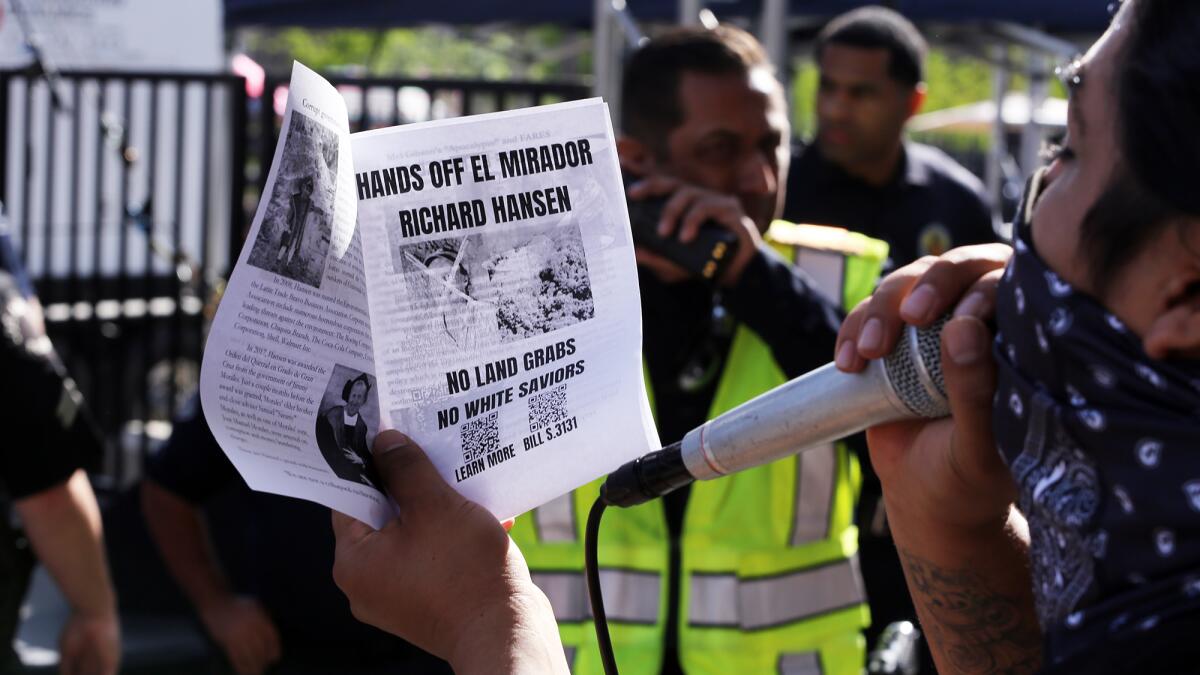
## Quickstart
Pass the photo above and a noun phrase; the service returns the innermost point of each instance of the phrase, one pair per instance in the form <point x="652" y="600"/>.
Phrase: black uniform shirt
<point x="48" y="434"/>
<point x="932" y="205"/>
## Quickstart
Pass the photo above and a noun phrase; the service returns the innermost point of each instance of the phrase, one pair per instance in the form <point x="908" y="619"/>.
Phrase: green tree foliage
<point x="952" y="80"/>
<point x="488" y="52"/>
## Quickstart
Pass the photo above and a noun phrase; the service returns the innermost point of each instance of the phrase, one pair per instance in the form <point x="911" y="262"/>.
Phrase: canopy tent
<point x="1016" y="113"/>
<point x="1061" y="16"/>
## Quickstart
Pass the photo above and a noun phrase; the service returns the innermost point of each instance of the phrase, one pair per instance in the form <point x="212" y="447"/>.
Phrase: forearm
<point x="63" y="524"/>
<point x="973" y="593"/>
<point x="179" y="530"/>
<point x="520" y="637"/>
<point x="781" y="305"/>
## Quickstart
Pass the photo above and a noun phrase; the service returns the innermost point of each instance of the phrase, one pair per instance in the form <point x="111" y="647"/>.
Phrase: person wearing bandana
<point x="1052" y="524"/>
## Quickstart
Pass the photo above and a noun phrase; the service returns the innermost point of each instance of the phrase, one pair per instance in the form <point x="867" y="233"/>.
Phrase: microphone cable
<point x="648" y="477"/>
<point x="595" y="593"/>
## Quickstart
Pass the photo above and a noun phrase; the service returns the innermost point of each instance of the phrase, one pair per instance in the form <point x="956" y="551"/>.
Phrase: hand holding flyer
<point x="470" y="282"/>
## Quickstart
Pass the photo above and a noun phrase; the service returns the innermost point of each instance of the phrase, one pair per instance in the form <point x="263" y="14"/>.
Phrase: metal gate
<point x="119" y="192"/>
<point x="129" y="194"/>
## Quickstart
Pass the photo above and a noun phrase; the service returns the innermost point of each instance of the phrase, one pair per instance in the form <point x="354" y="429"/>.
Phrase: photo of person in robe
<point x="343" y="435"/>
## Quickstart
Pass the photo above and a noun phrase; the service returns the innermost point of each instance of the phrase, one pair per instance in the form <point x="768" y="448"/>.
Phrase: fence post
<point x="240" y="135"/>
<point x="4" y="84"/>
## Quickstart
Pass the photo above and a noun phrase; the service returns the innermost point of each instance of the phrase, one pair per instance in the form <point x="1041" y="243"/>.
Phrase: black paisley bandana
<point x="1104" y="445"/>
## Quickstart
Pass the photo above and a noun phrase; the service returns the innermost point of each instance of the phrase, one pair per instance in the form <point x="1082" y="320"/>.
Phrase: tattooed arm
<point x="948" y="493"/>
<point x="973" y="597"/>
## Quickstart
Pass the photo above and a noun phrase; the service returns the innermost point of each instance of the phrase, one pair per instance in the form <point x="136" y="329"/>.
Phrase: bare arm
<point x="63" y="524"/>
<point x="973" y="597"/>
<point x="181" y="534"/>
<point x="239" y="625"/>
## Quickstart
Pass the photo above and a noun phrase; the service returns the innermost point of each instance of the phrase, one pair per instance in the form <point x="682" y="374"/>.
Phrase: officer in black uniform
<point x="48" y="439"/>
<point x="859" y="172"/>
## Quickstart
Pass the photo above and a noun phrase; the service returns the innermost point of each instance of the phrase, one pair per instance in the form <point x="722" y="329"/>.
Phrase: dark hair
<point x="1158" y="113"/>
<point x="350" y="385"/>
<point x="650" y="90"/>
<point x="880" y="28"/>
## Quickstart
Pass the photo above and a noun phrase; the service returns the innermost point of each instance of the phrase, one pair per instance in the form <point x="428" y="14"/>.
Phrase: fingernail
<point x="871" y="337"/>
<point x="963" y="342"/>
<point x="845" y="355"/>
<point x="663" y="228"/>
<point x="973" y="305"/>
<point x="396" y="440"/>
<point x="636" y="186"/>
<point x="917" y="305"/>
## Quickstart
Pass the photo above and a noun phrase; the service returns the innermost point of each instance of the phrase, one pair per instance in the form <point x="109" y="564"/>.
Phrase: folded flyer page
<point x="470" y="282"/>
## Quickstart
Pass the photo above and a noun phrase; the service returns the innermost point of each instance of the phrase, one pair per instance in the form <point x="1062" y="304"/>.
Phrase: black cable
<point x="590" y="541"/>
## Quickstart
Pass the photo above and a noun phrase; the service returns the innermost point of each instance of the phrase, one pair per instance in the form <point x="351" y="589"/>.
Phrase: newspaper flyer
<point x="470" y="282"/>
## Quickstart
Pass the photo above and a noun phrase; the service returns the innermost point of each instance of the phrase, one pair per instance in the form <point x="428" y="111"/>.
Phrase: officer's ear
<point x="636" y="157"/>
<point x="916" y="99"/>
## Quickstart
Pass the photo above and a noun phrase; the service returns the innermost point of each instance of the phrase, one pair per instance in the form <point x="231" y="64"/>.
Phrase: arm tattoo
<point x="974" y="628"/>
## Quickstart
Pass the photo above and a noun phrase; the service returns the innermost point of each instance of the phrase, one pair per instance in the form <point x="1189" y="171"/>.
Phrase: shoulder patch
<point x="934" y="239"/>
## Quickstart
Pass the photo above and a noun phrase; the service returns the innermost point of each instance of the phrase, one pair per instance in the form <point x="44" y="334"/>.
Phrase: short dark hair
<point x="1158" y="112"/>
<point x="880" y="28"/>
<point x="650" y="90"/>
<point x="350" y="385"/>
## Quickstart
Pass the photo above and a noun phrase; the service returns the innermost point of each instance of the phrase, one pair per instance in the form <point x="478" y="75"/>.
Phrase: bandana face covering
<point x="1104" y="445"/>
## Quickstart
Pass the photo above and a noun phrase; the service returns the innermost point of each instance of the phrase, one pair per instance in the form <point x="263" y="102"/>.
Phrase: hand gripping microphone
<point x="816" y="408"/>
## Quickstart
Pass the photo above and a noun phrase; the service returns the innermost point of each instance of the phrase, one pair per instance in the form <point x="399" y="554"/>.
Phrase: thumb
<point x="410" y="478"/>
<point x="970" y="373"/>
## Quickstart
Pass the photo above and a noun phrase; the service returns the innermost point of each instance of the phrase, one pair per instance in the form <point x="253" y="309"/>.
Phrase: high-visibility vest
<point x="769" y="579"/>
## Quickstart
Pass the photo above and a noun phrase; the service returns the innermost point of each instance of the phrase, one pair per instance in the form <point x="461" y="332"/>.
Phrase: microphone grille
<point x="914" y="370"/>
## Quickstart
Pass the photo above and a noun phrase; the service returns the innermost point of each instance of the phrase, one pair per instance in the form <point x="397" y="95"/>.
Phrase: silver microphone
<point x="818" y="407"/>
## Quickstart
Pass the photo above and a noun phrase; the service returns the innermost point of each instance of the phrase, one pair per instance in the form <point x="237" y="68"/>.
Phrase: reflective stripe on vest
<point x="816" y="470"/>
<point x="845" y="265"/>
<point x="808" y="663"/>
<point x="630" y="596"/>
<point x="725" y="601"/>
<point x="555" y="520"/>
<point x="827" y="269"/>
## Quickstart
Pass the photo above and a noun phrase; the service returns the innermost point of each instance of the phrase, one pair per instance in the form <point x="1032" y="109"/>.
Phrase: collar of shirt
<point x="351" y="420"/>
<point x="911" y="172"/>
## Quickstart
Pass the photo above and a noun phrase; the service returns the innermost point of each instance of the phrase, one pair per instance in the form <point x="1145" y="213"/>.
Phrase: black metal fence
<point x="383" y="102"/>
<point x="119" y="193"/>
<point x="128" y="195"/>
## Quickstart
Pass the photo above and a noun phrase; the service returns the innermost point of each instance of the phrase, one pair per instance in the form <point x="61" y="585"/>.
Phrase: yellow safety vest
<point x="769" y="580"/>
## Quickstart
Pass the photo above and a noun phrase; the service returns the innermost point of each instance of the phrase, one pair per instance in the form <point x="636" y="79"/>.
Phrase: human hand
<point x="443" y="574"/>
<point x="943" y="471"/>
<point x="687" y="208"/>
<point x="90" y="644"/>
<point x="353" y="456"/>
<point x="244" y="632"/>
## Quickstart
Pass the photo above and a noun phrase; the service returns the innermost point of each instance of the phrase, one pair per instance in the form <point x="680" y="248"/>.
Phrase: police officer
<point x="859" y="172"/>
<point x="48" y="439"/>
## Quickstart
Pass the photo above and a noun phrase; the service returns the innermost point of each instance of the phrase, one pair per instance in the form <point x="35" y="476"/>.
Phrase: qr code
<point x="480" y="436"/>
<point x="547" y="408"/>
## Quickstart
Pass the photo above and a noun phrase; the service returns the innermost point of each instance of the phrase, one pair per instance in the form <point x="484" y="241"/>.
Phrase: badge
<point x="934" y="240"/>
